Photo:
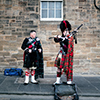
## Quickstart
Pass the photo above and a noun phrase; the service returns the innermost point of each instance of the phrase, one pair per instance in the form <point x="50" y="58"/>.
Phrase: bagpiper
<point x="64" y="59"/>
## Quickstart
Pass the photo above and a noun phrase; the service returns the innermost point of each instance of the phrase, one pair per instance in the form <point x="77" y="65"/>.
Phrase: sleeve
<point x="24" y="44"/>
<point x="57" y="39"/>
<point x="38" y="44"/>
<point x="64" y="44"/>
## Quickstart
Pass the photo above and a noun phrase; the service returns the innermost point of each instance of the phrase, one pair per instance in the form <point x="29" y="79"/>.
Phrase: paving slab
<point x="86" y="86"/>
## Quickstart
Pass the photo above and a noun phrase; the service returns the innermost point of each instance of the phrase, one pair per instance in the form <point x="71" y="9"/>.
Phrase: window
<point x="51" y="10"/>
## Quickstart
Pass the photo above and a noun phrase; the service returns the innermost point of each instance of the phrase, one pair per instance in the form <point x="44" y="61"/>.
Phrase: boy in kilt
<point x="64" y="59"/>
<point x="32" y="58"/>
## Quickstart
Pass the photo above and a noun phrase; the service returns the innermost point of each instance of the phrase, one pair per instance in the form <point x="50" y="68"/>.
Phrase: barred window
<point x="51" y="10"/>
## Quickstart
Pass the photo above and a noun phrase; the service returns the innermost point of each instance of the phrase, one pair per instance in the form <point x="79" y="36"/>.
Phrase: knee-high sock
<point x="32" y="72"/>
<point x="59" y="73"/>
<point x="33" y="76"/>
<point x="27" y="72"/>
<point x="27" y="76"/>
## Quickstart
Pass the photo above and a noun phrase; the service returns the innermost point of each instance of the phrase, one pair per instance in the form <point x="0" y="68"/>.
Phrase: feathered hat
<point x="65" y="24"/>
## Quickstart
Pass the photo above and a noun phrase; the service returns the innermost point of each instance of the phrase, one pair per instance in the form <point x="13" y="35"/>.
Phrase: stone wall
<point x="18" y="17"/>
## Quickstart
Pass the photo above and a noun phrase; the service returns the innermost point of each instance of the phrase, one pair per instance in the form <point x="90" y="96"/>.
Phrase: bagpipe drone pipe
<point x="71" y="33"/>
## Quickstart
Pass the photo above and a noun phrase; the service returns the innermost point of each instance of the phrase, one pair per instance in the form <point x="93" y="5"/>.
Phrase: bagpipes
<point x="71" y="34"/>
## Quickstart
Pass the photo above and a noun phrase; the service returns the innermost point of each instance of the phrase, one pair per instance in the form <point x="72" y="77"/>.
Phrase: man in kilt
<point x="32" y="58"/>
<point x="64" y="59"/>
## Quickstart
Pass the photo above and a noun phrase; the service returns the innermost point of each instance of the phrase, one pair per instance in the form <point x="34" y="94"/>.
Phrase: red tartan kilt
<point x="67" y="60"/>
<point x="61" y="62"/>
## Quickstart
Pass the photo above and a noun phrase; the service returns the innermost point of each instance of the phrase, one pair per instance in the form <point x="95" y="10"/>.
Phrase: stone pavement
<point x="87" y="86"/>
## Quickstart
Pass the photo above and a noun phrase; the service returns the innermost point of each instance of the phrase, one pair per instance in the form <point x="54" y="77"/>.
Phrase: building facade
<point x="18" y="17"/>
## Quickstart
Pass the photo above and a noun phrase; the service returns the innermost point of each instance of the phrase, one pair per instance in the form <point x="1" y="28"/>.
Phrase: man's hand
<point x="57" y="36"/>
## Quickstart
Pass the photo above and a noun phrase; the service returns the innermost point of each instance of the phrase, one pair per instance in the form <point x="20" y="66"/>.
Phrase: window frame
<point x="50" y="19"/>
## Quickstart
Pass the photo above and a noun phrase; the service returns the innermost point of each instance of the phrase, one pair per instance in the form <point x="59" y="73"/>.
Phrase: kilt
<point x="36" y="60"/>
<point x="66" y="62"/>
<point x="30" y="59"/>
<point x="62" y="59"/>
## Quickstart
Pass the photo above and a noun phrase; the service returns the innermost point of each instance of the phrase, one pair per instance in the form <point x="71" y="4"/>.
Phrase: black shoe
<point x="25" y="83"/>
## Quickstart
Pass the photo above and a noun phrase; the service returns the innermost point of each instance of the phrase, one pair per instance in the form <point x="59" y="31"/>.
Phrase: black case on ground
<point x="65" y="91"/>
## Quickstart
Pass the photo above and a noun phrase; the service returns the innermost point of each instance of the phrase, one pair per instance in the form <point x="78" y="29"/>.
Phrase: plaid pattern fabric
<point x="68" y="65"/>
<point x="62" y="59"/>
<point x="67" y="60"/>
<point x="34" y="59"/>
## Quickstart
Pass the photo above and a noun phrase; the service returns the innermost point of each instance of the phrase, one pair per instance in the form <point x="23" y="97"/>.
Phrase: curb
<point x="26" y="93"/>
<point x="46" y="93"/>
<point x="89" y="94"/>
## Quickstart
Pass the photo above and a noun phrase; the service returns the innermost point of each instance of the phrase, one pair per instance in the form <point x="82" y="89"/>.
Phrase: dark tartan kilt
<point x="30" y="60"/>
<point x="34" y="59"/>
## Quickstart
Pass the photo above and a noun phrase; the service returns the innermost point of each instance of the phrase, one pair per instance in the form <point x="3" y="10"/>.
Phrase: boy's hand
<point x="30" y="51"/>
<point x="39" y="50"/>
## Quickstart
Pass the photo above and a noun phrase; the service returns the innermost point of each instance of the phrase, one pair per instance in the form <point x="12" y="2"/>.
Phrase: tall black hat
<point x="65" y="24"/>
